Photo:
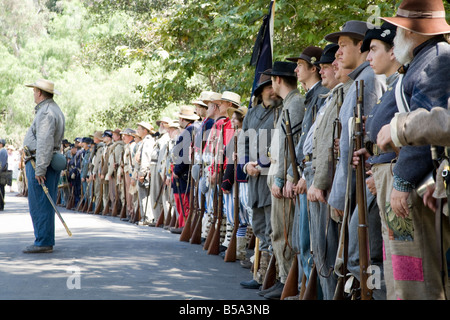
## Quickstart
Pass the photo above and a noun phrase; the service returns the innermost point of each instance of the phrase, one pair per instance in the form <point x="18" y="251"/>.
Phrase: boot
<point x="241" y="251"/>
<point x="263" y="265"/>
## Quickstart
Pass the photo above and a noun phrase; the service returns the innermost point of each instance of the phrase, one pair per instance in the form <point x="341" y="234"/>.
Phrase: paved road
<point x="107" y="259"/>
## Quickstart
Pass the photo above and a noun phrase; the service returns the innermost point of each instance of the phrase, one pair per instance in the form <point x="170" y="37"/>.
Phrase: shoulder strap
<point x="402" y="105"/>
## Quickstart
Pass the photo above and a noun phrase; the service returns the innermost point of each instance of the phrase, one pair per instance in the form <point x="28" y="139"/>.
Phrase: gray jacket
<point x="374" y="87"/>
<point x="45" y="134"/>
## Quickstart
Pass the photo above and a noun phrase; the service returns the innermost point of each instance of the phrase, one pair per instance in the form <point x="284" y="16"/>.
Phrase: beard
<point x="403" y="47"/>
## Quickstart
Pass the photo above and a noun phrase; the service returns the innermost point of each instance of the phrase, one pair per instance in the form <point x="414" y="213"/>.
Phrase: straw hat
<point x="242" y="110"/>
<point x="232" y="97"/>
<point x="163" y="119"/>
<point x="207" y="96"/>
<point x="423" y="17"/>
<point x="44" y="85"/>
<point x="174" y="124"/>
<point x="188" y="113"/>
<point x="147" y="126"/>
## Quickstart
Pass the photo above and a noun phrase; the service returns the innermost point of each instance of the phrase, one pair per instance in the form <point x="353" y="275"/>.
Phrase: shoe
<point x="38" y="249"/>
<point x="247" y="264"/>
<point x="275" y="294"/>
<point x="252" y="284"/>
<point x="265" y="291"/>
<point x="176" y="230"/>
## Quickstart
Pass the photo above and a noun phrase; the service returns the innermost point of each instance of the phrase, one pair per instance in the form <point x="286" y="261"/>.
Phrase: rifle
<point x="215" y="242"/>
<point x="99" y="203"/>
<point x="212" y="228"/>
<point x="196" y="237"/>
<point x="366" y="293"/>
<point x="81" y="201"/>
<point x="117" y="203"/>
<point x="271" y="273"/>
<point x="230" y="254"/>
<point x="123" y="210"/>
<point x="334" y="156"/>
<point x="291" y="285"/>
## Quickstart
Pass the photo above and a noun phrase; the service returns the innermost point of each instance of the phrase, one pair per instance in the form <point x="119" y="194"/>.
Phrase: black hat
<point x="264" y="80"/>
<point x="353" y="29"/>
<point x="328" y="54"/>
<point x="87" y="140"/>
<point x="385" y="33"/>
<point x="310" y="54"/>
<point x="282" y="69"/>
<point x="65" y="141"/>
<point x="107" y="133"/>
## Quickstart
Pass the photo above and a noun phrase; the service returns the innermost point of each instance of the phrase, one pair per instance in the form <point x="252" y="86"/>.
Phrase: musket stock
<point x="230" y="254"/>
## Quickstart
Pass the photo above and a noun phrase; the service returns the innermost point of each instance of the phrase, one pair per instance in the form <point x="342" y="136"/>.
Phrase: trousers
<point x="41" y="210"/>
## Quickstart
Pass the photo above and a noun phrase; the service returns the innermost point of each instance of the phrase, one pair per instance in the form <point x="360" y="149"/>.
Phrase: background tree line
<point x="123" y="61"/>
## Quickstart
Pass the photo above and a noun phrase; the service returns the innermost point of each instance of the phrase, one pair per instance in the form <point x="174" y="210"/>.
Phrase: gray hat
<point x="128" y="131"/>
<point x="353" y="28"/>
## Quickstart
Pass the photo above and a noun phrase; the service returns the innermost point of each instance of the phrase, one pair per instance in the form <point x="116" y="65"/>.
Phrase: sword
<point x="44" y="187"/>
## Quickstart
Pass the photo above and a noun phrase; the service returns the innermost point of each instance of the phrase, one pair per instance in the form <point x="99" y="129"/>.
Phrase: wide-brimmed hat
<point x="354" y="29"/>
<point x="128" y="132"/>
<point x="188" y="113"/>
<point x="232" y="97"/>
<point x="242" y="110"/>
<point x="207" y="96"/>
<point x="310" y="54"/>
<point x="98" y="135"/>
<point x="423" y="17"/>
<point x="385" y="33"/>
<point x="174" y="124"/>
<point x="163" y="119"/>
<point x="147" y="126"/>
<point x="328" y="55"/>
<point x="118" y="132"/>
<point x="282" y="69"/>
<point x="263" y="81"/>
<point x="44" y="85"/>
<point x="200" y="100"/>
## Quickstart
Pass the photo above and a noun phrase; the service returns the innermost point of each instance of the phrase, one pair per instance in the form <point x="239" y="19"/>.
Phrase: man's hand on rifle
<point x="361" y="152"/>
<point x="252" y="170"/>
<point x="300" y="187"/>
<point x="336" y="145"/>
<point x="40" y="179"/>
<point x="276" y="191"/>
<point x="288" y="190"/>
<point x="315" y="195"/>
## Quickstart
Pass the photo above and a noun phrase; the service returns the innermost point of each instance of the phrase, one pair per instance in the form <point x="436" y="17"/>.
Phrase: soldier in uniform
<point x="96" y="169"/>
<point x="156" y="182"/>
<point x="181" y="174"/>
<point x="127" y="170"/>
<point x="257" y="126"/>
<point x="284" y="83"/>
<point x="145" y="131"/>
<point x="323" y="220"/>
<point x="107" y="140"/>
<point x="116" y="195"/>
<point x="86" y="143"/>
<point x="308" y="75"/>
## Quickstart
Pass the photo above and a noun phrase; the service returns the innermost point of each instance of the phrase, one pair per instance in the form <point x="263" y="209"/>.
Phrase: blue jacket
<point x="425" y="86"/>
